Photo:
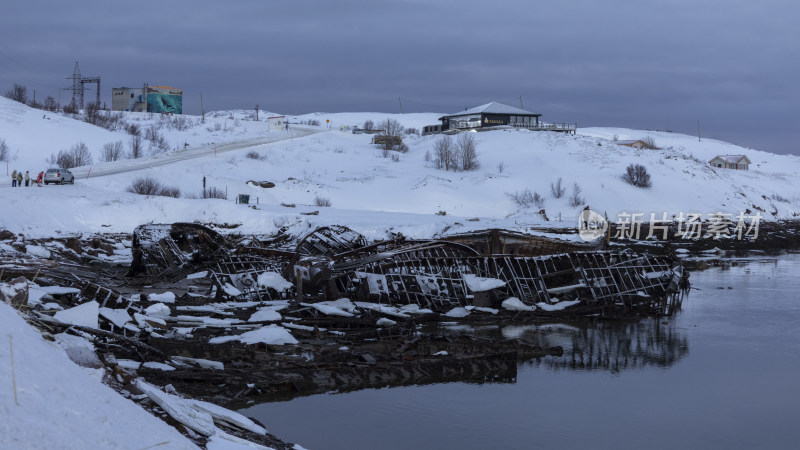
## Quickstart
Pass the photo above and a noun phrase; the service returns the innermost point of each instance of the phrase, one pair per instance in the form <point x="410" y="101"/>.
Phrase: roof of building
<point x="734" y="159"/>
<point x="494" y="108"/>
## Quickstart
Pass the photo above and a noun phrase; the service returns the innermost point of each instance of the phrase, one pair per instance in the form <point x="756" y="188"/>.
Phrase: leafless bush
<point x="776" y="197"/>
<point x="133" y="129"/>
<point x="636" y="175"/>
<point x="575" y="198"/>
<point x="18" y="93"/>
<point x="135" y="146"/>
<point x="112" y="151"/>
<point x="170" y="191"/>
<point x="252" y="154"/>
<point x="368" y="125"/>
<point x="322" y="201"/>
<point x="466" y="152"/>
<point x="145" y="186"/>
<point x="50" y="103"/>
<point x="615" y="138"/>
<point x="526" y="198"/>
<point x="443" y="153"/>
<point x="395" y="157"/>
<point x="5" y="153"/>
<point x="402" y="148"/>
<point x="412" y="131"/>
<point x="649" y="143"/>
<point x="391" y="127"/>
<point x="70" y="108"/>
<point x="77" y="155"/>
<point x="501" y="167"/>
<point x="213" y="192"/>
<point x="557" y="189"/>
<point x="428" y="156"/>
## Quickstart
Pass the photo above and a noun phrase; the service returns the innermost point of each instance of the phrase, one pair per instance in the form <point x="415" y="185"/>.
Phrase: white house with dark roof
<point x="494" y="114"/>
<point x="736" y="162"/>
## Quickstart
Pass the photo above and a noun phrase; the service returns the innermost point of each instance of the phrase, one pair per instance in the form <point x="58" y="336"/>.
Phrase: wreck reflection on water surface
<point x="616" y="384"/>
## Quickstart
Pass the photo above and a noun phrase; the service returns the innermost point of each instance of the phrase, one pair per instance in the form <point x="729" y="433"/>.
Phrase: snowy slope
<point x="61" y="405"/>
<point x="363" y="186"/>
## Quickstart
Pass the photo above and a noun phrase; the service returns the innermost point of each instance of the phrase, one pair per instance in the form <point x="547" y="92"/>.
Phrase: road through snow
<point x="129" y="165"/>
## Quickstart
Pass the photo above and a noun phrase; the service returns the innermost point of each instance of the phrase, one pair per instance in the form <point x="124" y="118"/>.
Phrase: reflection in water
<point x="594" y="345"/>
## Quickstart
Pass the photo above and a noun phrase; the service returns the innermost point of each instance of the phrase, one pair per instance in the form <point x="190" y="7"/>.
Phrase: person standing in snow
<point x="27" y="179"/>
<point x="19" y="178"/>
<point x="14" y="178"/>
<point x="40" y="178"/>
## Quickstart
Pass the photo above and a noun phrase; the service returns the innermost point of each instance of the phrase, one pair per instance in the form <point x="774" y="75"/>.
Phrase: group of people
<point x="17" y="177"/>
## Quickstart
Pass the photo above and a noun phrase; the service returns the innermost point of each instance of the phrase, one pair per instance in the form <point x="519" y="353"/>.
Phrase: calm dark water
<point x="724" y="373"/>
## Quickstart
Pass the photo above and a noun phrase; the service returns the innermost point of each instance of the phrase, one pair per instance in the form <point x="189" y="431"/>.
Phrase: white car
<point x="60" y="176"/>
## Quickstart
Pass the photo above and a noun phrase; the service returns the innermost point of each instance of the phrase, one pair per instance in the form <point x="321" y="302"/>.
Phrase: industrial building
<point x="157" y="99"/>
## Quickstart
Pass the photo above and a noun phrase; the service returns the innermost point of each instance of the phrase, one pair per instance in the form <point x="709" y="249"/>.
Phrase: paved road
<point x="127" y="165"/>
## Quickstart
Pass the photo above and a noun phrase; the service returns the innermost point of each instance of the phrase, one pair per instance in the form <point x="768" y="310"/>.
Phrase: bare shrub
<point x="776" y="197"/>
<point x="557" y="189"/>
<point x="402" y="148"/>
<point x="443" y="153"/>
<point x="50" y="103"/>
<point x="395" y="157"/>
<point x="145" y="186"/>
<point x="649" y="143"/>
<point x="575" y="198"/>
<point x="526" y="198"/>
<point x="501" y="167"/>
<point x="391" y="127"/>
<point x="411" y="131"/>
<point x="133" y="129"/>
<point x="112" y="151"/>
<point x="466" y="152"/>
<point x="5" y="153"/>
<point x="77" y="155"/>
<point x="322" y="201"/>
<point x="135" y="146"/>
<point x="213" y="192"/>
<point x="18" y="93"/>
<point x="170" y="191"/>
<point x="636" y="175"/>
<point x="428" y="156"/>
<point x="252" y="154"/>
<point x="615" y="138"/>
<point x="368" y="125"/>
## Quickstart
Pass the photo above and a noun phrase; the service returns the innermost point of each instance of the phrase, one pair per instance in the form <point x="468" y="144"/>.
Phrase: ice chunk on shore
<point x="515" y="304"/>
<point x="84" y="315"/>
<point x="270" y="335"/>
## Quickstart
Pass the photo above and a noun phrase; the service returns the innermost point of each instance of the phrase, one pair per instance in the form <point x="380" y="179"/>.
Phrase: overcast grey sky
<point x="643" y="64"/>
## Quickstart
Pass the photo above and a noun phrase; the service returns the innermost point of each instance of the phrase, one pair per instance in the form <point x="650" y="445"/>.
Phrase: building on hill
<point x="495" y="114"/>
<point x="157" y="99"/>
<point x="632" y="143"/>
<point x="128" y="99"/>
<point x="736" y="162"/>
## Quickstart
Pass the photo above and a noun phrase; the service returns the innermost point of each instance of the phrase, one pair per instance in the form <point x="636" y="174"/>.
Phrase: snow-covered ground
<point x="362" y="185"/>
<point x="46" y="401"/>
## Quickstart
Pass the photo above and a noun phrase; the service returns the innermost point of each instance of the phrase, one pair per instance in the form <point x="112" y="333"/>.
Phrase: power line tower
<point x="78" y="85"/>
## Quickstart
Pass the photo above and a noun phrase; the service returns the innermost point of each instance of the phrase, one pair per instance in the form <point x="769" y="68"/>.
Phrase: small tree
<point x="50" y="103"/>
<point x="466" y="152"/>
<point x="135" y="146"/>
<point x="575" y="198"/>
<point x="5" y="153"/>
<point x="636" y="175"/>
<point x="77" y="155"/>
<point x="443" y="153"/>
<point x="649" y="143"/>
<point x="112" y="151"/>
<point x="18" y="93"/>
<point x="557" y="189"/>
<point x="322" y="201"/>
<point x="369" y="125"/>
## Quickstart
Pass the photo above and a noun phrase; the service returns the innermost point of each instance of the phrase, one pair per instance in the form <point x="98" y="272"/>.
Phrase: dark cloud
<point x="634" y="63"/>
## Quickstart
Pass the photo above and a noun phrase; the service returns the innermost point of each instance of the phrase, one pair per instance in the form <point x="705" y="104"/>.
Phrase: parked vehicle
<point x="60" y="176"/>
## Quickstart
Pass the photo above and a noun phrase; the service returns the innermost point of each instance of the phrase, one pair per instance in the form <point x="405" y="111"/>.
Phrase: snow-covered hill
<point x="363" y="186"/>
